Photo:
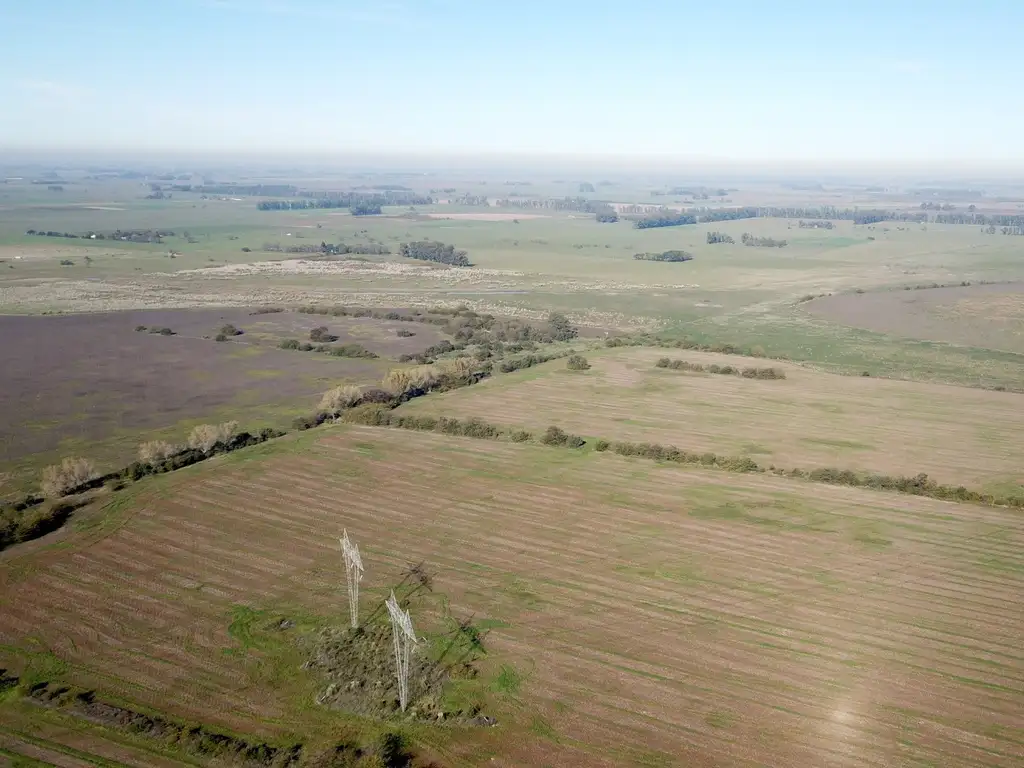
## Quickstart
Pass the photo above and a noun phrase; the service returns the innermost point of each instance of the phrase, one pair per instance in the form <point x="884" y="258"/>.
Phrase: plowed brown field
<point x="656" y="615"/>
<point x="810" y="419"/>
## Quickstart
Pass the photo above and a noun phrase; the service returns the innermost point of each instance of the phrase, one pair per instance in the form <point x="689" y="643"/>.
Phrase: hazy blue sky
<point x="740" y="80"/>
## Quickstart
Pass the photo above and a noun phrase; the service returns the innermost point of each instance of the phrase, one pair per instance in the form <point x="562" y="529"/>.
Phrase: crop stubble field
<point x="809" y="419"/>
<point x="713" y="618"/>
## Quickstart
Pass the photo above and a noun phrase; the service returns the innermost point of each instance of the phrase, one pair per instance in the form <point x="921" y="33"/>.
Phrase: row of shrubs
<point x="382" y="416"/>
<point x="528" y="361"/>
<point x="33" y="517"/>
<point x="671" y="453"/>
<point x="651" y="340"/>
<point x="162" y="331"/>
<point x="729" y="370"/>
<point x="466" y="326"/>
<point x="918" y="485"/>
<point x="345" y="350"/>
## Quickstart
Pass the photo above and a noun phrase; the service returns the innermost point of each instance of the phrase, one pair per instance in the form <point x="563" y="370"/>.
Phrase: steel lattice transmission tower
<point x="405" y="639"/>
<point x="353" y="574"/>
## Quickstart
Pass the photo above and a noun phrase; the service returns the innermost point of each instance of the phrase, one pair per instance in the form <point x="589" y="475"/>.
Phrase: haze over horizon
<point x="908" y="85"/>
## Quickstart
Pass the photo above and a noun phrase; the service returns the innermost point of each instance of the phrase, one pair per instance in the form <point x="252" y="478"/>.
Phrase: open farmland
<point x="640" y="614"/>
<point x="810" y="419"/>
<point x="989" y="316"/>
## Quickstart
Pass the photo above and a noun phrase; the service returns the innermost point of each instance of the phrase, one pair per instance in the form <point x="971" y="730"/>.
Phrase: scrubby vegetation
<point x="650" y="340"/>
<point x="344" y="350"/>
<point x="728" y="370"/>
<point x="559" y="437"/>
<point x="719" y="237"/>
<point x="431" y="250"/>
<point x="493" y="337"/>
<point x="322" y="335"/>
<point x="200" y="745"/>
<point x="527" y="361"/>
<point x="127" y="235"/>
<point x="153" y="451"/>
<point x="354" y="201"/>
<point x="72" y="473"/>
<point x="577" y="363"/>
<point x="664" y="256"/>
<point x="24" y="522"/>
<point x="229" y="330"/>
<point x="664" y="219"/>
<point x="762" y="242"/>
<point x="205" y="436"/>
<point x="338" y="399"/>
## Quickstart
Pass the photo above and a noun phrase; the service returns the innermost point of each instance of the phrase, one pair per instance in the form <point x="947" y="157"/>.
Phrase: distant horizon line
<point x="552" y="161"/>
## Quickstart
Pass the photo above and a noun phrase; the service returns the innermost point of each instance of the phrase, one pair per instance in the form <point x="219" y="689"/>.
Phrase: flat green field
<point x="809" y="419"/>
<point x="528" y="262"/>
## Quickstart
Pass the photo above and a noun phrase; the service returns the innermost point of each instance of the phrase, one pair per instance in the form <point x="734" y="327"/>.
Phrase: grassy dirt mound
<point x="358" y="666"/>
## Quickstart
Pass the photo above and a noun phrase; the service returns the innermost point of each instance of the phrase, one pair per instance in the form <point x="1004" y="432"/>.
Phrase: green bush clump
<point x="726" y="370"/>
<point x="577" y="363"/>
<point x="559" y="437"/>
<point x="289" y="344"/>
<point x="321" y="334"/>
<point x="31" y="522"/>
<point x="351" y="350"/>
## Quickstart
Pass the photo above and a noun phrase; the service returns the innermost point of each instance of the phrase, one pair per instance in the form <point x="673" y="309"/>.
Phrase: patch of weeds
<point x="654" y="760"/>
<point x="871" y="539"/>
<point x="541" y="727"/>
<point x="521" y="591"/>
<point x="719" y="719"/>
<point x="43" y="667"/>
<point x="508" y="681"/>
<point x="485" y="625"/>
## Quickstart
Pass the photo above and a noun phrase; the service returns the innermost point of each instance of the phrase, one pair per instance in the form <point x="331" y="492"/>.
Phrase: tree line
<point x="357" y="206"/>
<point x="719" y="237"/>
<point x="360" y="203"/>
<point x="329" y="249"/>
<point x="574" y="204"/>
<point x="664" y="219"/>
<point x="127" y="235"/>
<point x="762" y="242"/>
<point x="664" y="256"/>
<point x="432" y="250"/>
